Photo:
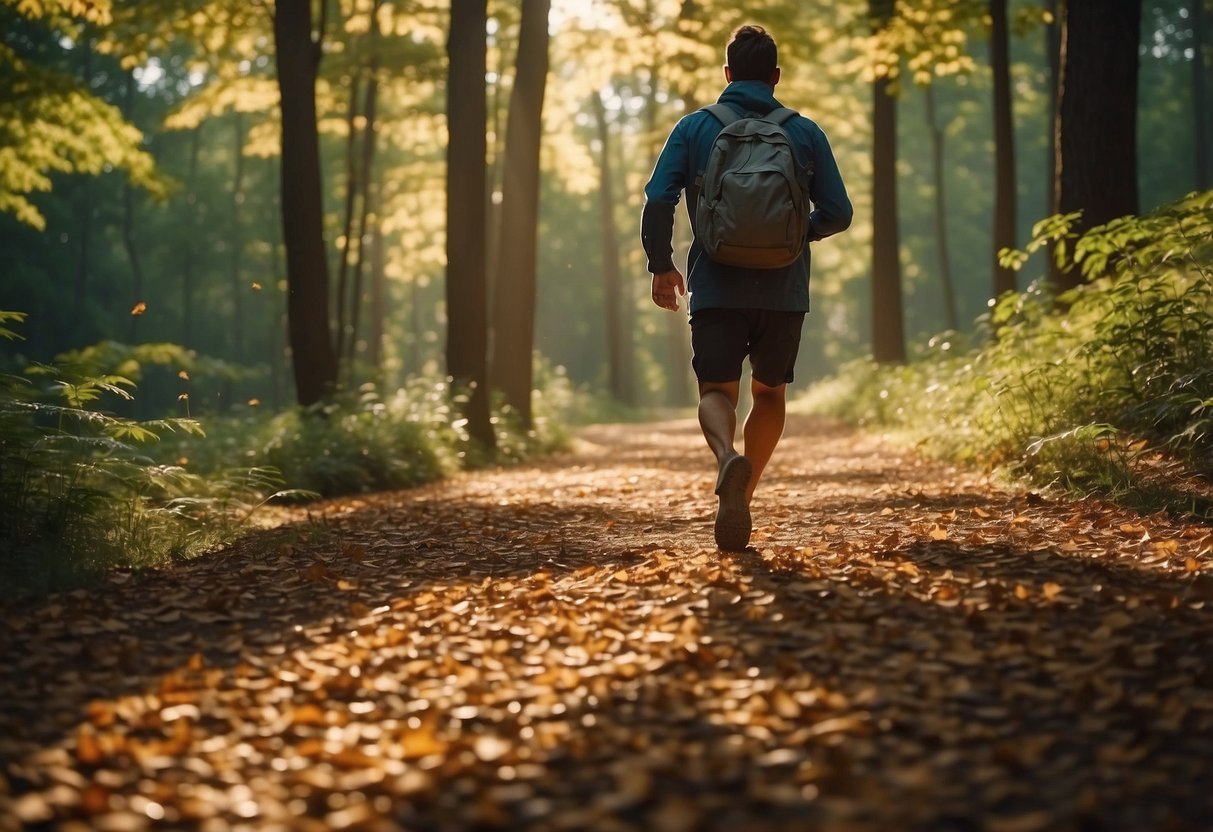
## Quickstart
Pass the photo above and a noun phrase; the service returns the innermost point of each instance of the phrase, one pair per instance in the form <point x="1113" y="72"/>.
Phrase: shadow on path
<point x="558" y="647"/>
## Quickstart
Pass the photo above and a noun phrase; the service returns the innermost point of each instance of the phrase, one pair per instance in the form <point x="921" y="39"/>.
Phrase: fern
<point x="1071" y="397"/>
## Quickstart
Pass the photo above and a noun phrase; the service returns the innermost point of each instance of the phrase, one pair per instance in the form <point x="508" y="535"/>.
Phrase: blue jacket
<point x="684" y="157"/>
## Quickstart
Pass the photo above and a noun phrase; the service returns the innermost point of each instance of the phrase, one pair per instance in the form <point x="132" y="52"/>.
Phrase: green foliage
<point x="1077" y="394"/>
<point x="51" y="122"/>
<point x="79" y="492"/>
<point x="365" y="441"/>
<point x="83" y="489"/>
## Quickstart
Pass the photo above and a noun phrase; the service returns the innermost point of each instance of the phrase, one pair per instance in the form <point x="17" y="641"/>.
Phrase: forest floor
<point x="560" y="646"/>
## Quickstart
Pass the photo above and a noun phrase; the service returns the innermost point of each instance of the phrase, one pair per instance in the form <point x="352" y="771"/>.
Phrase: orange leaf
<point x="88" y="750"/>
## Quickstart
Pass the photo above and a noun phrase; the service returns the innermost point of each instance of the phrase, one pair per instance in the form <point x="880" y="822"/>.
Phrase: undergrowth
<point x="1096" y="390"/>
<point x="84" y="490"/>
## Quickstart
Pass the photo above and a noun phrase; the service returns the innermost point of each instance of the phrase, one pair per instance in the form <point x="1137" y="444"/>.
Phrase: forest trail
<point x="560" y="646"/>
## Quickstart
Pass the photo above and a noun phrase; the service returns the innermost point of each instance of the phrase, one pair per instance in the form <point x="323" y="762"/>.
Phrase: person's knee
<point x="768" y="395"/>
<point x="728" y="389"/>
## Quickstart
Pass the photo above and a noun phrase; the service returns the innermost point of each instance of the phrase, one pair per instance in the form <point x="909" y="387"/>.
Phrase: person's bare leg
<point x="763" y="428"/>
<point x="718" y="416"/>
<point x="718" y="419"/>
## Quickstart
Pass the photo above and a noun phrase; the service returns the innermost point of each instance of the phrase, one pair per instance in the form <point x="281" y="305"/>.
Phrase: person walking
<point x="746" y="297"/>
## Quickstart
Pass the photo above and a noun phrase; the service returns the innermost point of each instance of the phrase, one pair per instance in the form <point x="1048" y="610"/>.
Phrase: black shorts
<point x="722" y="338"/>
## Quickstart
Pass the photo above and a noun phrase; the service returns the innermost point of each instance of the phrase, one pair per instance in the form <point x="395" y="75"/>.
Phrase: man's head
<point x="752" y="56"/>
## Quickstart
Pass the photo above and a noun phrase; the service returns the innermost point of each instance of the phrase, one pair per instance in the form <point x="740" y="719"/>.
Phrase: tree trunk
<point x="1097" y="132"/>
<point x="298" y="60"/>
<point x="1006" y="203"/>
<point x="188" y="249"/>
<point x="281" y="338"/>
<point x="466" y="300"/>
<point x="378" y="291"/>
<point x="368" y="221"/>
<point x="238" y="288"/>
<point x="888" y="338"/>
<point x="1053" y="52"/>
<point x="341" y="325"/>
<point x="128" y="224"/>
<point x="941" y="212"/>
<point x="364" y="216"/>
<point x="1200" y="98"/>
<point x="83" y="210"/>
<point x="514" y="306"/>
<point x="676" y="355"/>
<point x="414" y="359"/>
<point x="617" y="369"/>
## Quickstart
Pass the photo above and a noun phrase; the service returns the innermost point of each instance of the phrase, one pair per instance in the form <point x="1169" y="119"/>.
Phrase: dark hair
<point x="752" y="54"/>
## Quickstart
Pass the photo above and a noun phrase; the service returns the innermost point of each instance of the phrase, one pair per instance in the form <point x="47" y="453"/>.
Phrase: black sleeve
<point x="657" y="235"/>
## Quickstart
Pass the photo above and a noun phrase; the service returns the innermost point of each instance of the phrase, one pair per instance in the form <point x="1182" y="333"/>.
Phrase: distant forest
<point x="266" y="185"/>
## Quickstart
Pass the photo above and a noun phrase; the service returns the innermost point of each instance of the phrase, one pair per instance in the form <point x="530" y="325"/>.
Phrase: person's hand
<point x="667" y="287"/>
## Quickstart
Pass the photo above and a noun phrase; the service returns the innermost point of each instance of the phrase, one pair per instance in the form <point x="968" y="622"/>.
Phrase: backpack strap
<point x="723" y="112"/>
<point x="780" y="114"/>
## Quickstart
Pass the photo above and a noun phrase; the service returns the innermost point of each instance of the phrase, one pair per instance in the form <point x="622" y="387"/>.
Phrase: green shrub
<point x="83" y="489"/>
<point x="1068" y="389"/>
<point x="78" y="492"/>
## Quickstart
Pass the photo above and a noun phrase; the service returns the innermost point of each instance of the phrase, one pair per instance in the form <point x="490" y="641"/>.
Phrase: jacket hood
<point x="750" y="97"/>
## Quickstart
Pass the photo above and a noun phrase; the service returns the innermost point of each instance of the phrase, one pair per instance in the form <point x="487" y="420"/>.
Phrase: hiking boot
<point x="733" y="514"/>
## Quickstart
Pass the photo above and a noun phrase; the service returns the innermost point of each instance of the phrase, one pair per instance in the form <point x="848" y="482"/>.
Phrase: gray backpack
<point x="752" y="207"/>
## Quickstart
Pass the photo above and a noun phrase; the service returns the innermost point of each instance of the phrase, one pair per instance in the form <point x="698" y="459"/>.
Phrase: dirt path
<point x="559" y="646"/>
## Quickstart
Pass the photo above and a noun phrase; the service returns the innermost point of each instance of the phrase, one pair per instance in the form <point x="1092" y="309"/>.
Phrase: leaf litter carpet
<point x="559" y="646"/>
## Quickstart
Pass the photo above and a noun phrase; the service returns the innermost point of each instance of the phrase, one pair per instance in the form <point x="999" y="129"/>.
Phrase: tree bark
<point x="298" y="60"/>
<point x="281" y="339"/>
<point x="514" y="305"/>
<point x="617" y="368"/>
<point x="188" y="249"/>
<point x="888" y="329"/>
<point x="1097" y="131"/>
<point x="466" y="298"/>
<point x="364" y="216"/>
<point x="369" y="224"/>
<point x="941" y="212"/>
<point x="1006" y="203"/>
<point x="1201" y="114"/>
<point x="128" y="222"/>
<point x="378" y="292"/>
<point x="83" y="211"/>
<point x="1053" y="52"/>
<point x="341" y="325"/>
<point x="235" y="240"/>
<point x="676" y="355"/>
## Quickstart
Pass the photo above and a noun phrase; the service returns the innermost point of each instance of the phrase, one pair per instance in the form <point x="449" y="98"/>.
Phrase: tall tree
<point x="1097" y="131"/>
<point x="466" y="177"/>
<point x="941" y="210"/>
<point x="1005" y="200"/>
<point x="618" y="339"/>
<point x="1053" y="53"/>
<point x="298" y="48"/>
<point x="514" y="304"/>
<point x="236" y="238"/>
<point x="888" y="328"/>
<point x="1202" y="112"/>
<point x="129" y="219"/>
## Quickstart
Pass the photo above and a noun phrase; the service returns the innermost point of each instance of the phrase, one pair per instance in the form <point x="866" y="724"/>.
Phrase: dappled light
<point x="604" y="415"/>
<point x="556" y="646"/>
